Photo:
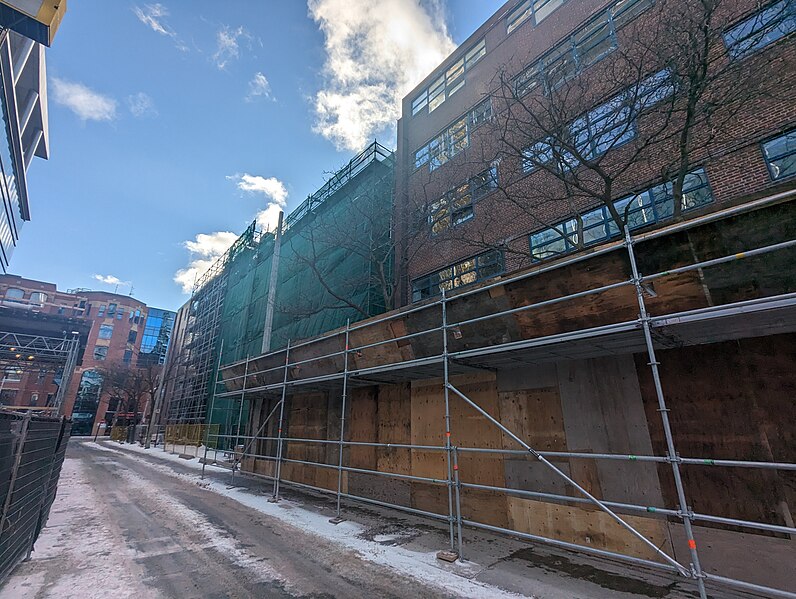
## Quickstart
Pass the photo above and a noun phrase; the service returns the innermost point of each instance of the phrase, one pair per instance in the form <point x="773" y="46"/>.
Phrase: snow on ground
<point x="81" y="548"/>
<point x="421" y="566"/>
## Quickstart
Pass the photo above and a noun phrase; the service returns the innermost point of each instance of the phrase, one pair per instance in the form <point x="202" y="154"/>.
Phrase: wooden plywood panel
<point x="487" y="507"/>
<point x="394" y="426"/>
<point x="469" y="428"/>
<point x="592" y="528"/>
<point x="604" y="413"/>
<point x="362" y="426"/>
<point x="729" y="401"/>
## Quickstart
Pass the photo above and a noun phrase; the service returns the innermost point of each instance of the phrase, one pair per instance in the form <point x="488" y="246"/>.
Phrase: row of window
<point x="456" y="206"/>
<point x="588" y="44"/>
<point x="606" y="126"/>
<point x="454" y="138"/>
<point x="467" y="272"/>
<point x="449" y="82"/>
<point x="761" y="29"/>
<point x="113" y="310"/>
<point x="36" y="297"/>
<point x="101" y="352"/>
<point x="641" y="209"/>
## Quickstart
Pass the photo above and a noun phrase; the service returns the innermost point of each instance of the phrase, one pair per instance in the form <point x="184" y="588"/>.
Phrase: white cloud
<point x="205" y="249"/>
<point x="376" y="52"/>
<point x="141" y="105"/>
<point x="83" y="101"/>
<point x="110" y="280"/>
<point x="153" y="16"/>
<point x="227" y="46"/>
<point x="272" y="188"/>
<point x="258" y="88"/>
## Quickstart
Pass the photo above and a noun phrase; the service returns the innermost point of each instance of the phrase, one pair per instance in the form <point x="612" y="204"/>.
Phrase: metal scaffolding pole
<point x="281" y="423"/>
<point x="337" y="519"/>
<point x="685" y="511"/>
<point x="448" y="458"/>
<point x="240" y="414"/>
<point x="212" y="405"/>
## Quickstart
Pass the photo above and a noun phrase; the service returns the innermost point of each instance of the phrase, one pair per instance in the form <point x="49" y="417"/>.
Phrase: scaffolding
<point x="36" y="353"/>
<point x="228" y="306"/>
<point x="645" y="334"/>
<point x="195" y="361"/>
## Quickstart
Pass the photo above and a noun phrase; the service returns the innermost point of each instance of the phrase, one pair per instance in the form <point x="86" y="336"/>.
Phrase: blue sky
<point x="175" y="124"/>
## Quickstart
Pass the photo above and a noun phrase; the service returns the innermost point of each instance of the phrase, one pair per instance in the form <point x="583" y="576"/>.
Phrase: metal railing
<point x="643" y="328"/>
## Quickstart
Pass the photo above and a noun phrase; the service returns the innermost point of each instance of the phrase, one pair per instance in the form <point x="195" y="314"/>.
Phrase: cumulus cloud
<point x="259" y="87"/>
<point x="274" y="191"/>
<point x="141" y="105"/>
<point x="154" y="17"/>
<point x="87" y="104"/>
<point x="205" y="249"/>
<point x="376" y="52"/>
<point x="227" y="45"/>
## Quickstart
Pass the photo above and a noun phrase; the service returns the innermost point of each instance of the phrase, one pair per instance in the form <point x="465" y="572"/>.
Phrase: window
<point x="544" y="152"/>
<point x="464" y="273"/>
<point x="13" y="293"/>
<point x="34" y="399"/>
<point x="61" y="310"/>
<point x="761" y="29"/>
<point x="100" y="352"/>
<point x="456" y="206"/>
<point x="42" y="374"/>
<point x="132" y="336"/>
<point x="105" y="331"/>
<point x="12" y="373"/>
<point x="111" y="310"/>
<point x="101" y="311"/>
<point x="540" y="9"/>
<point x="454" y="139"/>
<point x="128" y="356"/>
<point x="603" y="128"/>
<point x="650" y="206"/>
<point x="518" y="16"/>
<point x="8" y="397"/>
<point x="37" y="297"/>
<point x="780" y="155"/>
<point x="449" y="82"/>
<point x="119" y="314"/>
<point x="587" y="45"/>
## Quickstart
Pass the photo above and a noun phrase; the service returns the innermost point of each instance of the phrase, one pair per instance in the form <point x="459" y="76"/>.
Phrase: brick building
<point x="475" y="192"/>
<point x="123" y="332"/>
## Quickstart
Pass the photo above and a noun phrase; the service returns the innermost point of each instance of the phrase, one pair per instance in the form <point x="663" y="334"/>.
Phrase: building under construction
<point x="630" y="402"/>
<point x="333" y="261"/>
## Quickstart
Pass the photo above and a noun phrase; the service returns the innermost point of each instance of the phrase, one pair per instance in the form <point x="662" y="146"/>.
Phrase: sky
<point x="174" y="125"/>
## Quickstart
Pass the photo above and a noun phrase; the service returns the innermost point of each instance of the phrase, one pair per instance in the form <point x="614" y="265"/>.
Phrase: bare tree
<point x="131" y="388"/>
<point x="639" y="96"/>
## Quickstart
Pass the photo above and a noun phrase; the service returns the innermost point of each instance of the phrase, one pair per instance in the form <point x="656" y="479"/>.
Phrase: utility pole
<point x="269" y="306"/>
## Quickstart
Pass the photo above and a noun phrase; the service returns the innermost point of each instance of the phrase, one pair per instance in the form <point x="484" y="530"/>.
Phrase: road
<point x="124" y="528"/>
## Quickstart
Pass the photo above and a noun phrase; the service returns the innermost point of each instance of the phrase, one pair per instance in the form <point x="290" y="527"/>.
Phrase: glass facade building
<point x="157" y="332"/>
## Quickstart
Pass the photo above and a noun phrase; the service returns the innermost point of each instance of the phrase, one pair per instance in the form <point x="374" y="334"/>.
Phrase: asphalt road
<point x="122" y="528"/>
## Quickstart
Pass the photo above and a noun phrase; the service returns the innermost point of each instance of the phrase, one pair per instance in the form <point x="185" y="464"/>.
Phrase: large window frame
<point x="587" y="45"/>
<point x="457" y="205"/>
<point x="105" y="331"/>
<point x="761" y="29"/>
<point x="466" y="272"/>
<point x="650" y="206"/>
<point x="454" y="138"/>
<point x="450" y="81"/>
<point x="534" y="11"/>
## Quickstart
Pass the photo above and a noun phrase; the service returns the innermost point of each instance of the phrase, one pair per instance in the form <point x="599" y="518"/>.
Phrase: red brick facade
<point x="733" y="161"/>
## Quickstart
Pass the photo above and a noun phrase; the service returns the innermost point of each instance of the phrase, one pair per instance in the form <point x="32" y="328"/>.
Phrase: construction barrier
<point x="31" y="455"/>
